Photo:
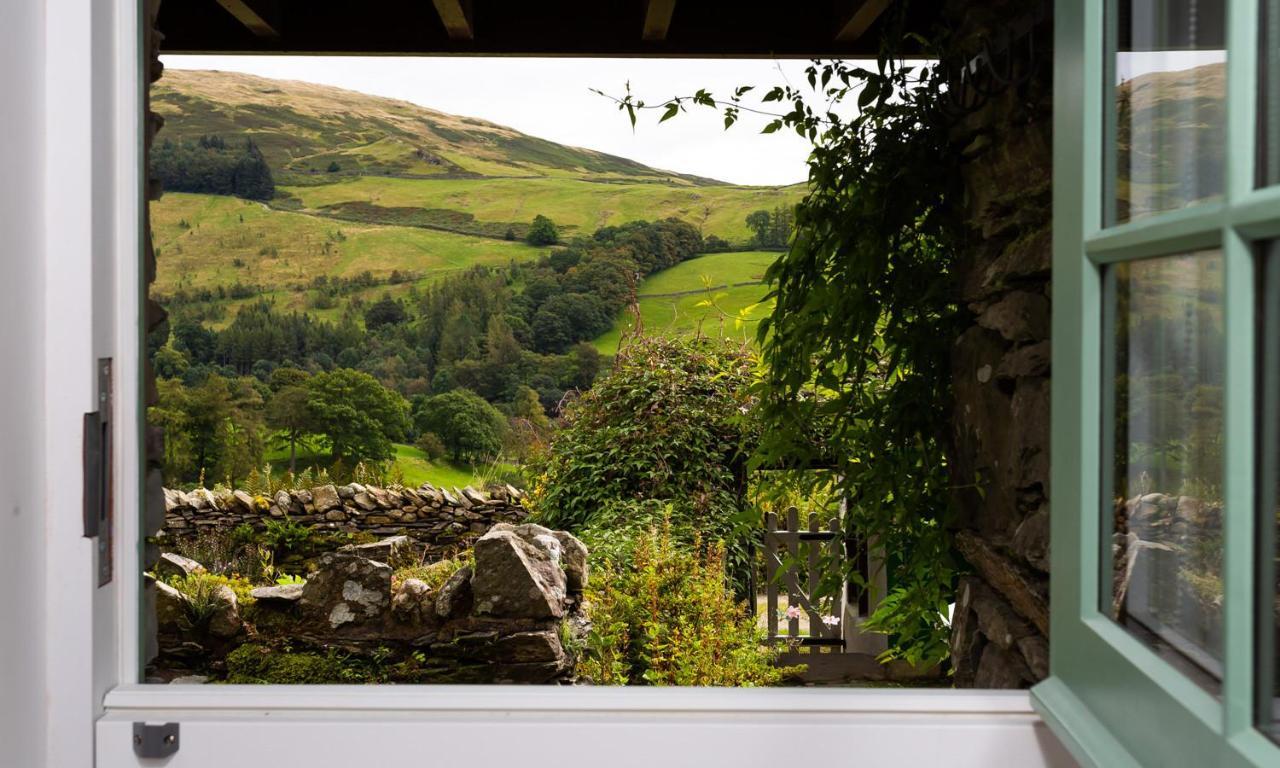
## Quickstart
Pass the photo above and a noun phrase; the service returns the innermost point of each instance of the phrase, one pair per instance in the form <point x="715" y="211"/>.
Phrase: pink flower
<point x="830" y="621"/>
<point x="793" y="612"/>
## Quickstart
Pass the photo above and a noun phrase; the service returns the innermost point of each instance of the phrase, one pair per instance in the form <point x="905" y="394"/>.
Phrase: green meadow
<point x="205" y="241"/>
<point x="703" y="296"/>
<point x="580" y="204"/>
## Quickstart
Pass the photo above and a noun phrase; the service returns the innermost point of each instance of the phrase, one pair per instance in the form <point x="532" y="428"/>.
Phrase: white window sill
<point x="578" y="699"/>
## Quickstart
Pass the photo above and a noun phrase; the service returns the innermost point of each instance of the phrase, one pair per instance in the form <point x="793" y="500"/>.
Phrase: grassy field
<point x="412" y="463"/>
<point x="205" y="241"/>
<point x="732" y="311"/>
<point x="584" y="205"/>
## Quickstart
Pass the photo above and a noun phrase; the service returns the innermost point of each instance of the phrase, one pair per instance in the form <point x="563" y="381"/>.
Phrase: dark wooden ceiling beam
<point x="456" y="15"/>
<point x="657" y="20"/>
<point x="861" y="19"/>
<point x="250" y="18"/>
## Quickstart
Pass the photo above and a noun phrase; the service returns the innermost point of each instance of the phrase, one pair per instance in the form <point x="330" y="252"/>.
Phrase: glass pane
<point x="1169" y="77"/>
<point x="1164" y="370"/>
<point x="1269" y="108"/>
<point x="1268" y="658"/>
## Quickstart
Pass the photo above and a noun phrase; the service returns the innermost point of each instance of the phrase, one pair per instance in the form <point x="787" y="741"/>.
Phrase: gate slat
<point x="793" y="588"/>
<point x="816" y="627"/>
<point x="771" y="572"/>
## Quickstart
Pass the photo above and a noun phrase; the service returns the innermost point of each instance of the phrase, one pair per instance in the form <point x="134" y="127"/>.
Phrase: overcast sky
<point x="551" y="99"/>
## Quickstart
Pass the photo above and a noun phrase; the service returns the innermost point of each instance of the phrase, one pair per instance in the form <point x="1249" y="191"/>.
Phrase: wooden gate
<point x="785" y="551"/>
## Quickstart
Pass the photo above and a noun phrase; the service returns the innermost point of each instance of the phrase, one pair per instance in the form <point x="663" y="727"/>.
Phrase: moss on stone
<point x="252" y="663"/>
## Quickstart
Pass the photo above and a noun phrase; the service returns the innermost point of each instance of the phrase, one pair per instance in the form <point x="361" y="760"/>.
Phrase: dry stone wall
<point x="504" y="619"/>
<point x="438" y="519"/>
<point x="1000" y="363"/>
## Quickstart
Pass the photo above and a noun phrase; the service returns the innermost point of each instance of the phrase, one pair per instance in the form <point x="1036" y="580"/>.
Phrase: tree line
<point x="212" y="166"/>
<point x="496" y="348"/>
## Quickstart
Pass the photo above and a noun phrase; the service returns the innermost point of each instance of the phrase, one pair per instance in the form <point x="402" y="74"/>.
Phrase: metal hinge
<point x="152" y="741"/>
<point x="97" y="472"/>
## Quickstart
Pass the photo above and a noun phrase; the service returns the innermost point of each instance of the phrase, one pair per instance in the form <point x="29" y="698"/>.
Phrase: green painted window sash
<point x="1112" y="700"/>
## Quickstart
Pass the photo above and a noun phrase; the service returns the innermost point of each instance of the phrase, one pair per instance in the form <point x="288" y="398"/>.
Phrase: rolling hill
<point x="389" y="190"/>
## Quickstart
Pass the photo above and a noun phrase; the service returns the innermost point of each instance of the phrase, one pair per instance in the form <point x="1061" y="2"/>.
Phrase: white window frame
<point x="93" y="48"/>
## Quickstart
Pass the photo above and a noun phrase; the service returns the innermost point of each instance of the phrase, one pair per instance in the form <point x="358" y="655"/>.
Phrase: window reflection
<point x="1269" y="106"/>
<point x="1164" y="370"/>
<point x="1169" y="78"/>
<point x="1268" y="621"/>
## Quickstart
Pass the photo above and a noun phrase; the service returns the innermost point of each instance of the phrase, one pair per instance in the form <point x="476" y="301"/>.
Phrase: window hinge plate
<point x="152" y="741"/>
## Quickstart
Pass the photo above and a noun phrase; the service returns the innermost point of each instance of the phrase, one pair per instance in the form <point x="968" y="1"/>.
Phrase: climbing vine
<point x="856" y="349"/>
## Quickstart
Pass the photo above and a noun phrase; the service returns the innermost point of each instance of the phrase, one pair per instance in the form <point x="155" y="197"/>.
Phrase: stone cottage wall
<point x="437" y="518"/>
<point x="1000" y="364"/>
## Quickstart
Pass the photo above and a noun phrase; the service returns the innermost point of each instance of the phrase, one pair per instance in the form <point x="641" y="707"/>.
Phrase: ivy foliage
<point x="856" y="348"/>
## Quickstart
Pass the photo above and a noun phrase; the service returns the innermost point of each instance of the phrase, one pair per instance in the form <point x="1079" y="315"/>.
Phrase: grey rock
<point x="189" y="680"/>
<point x="412" y="601"/>
<point x="325" y="498"/>
<point x="364" y="500"/>
<point x="171" y="608"/>
<point x="999" y="668"/>
<point x="384" y="550"/>
<point x="1035" y="651"/>
<point x="573" y="559"/>
<point x="1031" y="539"/>
<point x="455" y="598"/>
<point x="202" y="498"/>
<point x="1019" y="316"/>
<point x="244" y="501"/>
<point x="516" y="579"/>
<point x="225" y="621"/>
<point x="282" y="499"/>
<point x="1029" y="360"/>
<point x="347" y="589"/>
<point x="278" y="595"/>
<point x="173" y="500"/>
<point x="171" y="565"/>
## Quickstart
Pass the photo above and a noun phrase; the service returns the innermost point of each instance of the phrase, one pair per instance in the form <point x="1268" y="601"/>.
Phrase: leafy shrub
<point x="201" y="590"/>
<point x="669" y="424"/>
<point x="668" y="617"/>
<point x="220" y="550"/>
<point x="542" y="231"/>
<point x="431" y="444"/>
<point x="285" y="536"/>
<point x="470" y="428"/>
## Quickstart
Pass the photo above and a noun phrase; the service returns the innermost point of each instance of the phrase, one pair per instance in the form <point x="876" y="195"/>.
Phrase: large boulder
<point x="347" y="591"/>
<point x="518" y="577"/>
<point x="561" y="546"/>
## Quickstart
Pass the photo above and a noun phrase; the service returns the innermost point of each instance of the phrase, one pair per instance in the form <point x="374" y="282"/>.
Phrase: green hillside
<point x="389" y="193"/>
<point x="582" y="205"/>
<point x="716" y="295"/>
<point x="302" y="128"/>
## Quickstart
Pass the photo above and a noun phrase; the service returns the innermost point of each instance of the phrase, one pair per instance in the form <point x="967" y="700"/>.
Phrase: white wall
<point x="22" y="520"/>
